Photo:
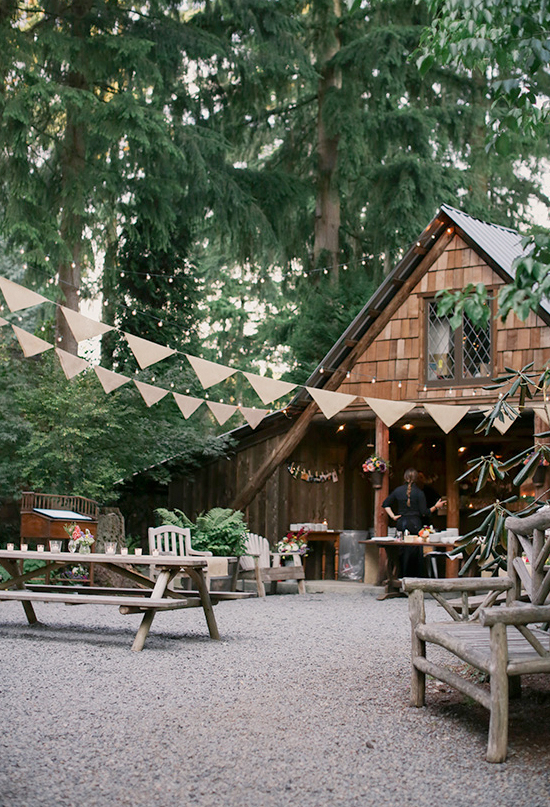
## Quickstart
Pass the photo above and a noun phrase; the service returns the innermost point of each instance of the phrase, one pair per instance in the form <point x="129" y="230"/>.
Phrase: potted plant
<point x="221" y="531"/>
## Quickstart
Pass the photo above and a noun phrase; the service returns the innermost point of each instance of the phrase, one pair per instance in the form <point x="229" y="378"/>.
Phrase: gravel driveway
<point x="304" y="702"/>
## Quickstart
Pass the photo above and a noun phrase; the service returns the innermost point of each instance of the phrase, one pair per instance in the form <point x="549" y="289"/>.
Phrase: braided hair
<point x="411" y="477"/>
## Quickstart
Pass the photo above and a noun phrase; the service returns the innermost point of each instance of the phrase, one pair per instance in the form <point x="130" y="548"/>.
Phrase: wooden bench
<point x="500" y="641"/>
<point x="263" y="566"/>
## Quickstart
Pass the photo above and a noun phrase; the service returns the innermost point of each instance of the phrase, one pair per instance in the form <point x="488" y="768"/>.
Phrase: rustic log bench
<point x="502" y="641"/>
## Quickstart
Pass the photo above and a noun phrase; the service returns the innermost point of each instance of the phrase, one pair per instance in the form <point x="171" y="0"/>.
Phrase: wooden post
<point x="417" y="615"/>
<point x="158" y="591"/>
<point x="498" y="723"/>
<point x="452" y="472"/>
<point x="382" y="449"/>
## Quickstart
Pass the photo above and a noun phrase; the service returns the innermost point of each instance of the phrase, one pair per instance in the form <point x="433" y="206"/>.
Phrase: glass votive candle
<point x="40" y="547"/>
<point x="24" y="547"/>
<point x="110" y="547"/>
<point x="137" y="550"/>
<point x="124" y="550"/>
<point x="55" y="546"/>
<point x="10" y="547"/>
<point x="155" y="552"/>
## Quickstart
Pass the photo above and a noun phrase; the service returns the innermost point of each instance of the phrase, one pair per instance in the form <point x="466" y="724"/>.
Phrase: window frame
<point x="458" y="379"/>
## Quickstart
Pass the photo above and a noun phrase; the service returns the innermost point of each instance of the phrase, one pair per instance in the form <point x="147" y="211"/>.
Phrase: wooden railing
<point x="53" y="501"/>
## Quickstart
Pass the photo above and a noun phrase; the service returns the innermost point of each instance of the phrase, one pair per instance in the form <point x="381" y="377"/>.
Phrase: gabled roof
<point x="498" y="246"/>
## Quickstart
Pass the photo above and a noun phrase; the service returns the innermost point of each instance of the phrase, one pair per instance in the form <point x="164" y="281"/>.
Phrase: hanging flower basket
<point x="374" y="467"/>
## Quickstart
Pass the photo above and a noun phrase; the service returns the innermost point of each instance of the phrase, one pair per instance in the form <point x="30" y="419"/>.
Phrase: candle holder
<point x="110" y="547"/>
<point x="137" y="550"/>
<point x="24" y="547"/>
<point x="40" y="547"/>
<point x="10" y="547"/>
<point x="124" y="550"/>
<point x="55" y="546"/>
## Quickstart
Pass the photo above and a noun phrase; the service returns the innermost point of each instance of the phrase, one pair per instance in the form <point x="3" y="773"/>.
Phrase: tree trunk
<point x="327" y="208"/>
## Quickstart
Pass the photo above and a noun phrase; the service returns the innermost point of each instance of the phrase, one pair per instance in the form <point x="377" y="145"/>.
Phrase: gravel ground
<point x="303" y="702"/>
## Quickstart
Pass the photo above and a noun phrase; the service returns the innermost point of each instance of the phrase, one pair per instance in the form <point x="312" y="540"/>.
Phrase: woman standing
<point x="410" y="502"/>
<point x="412" y="511"/>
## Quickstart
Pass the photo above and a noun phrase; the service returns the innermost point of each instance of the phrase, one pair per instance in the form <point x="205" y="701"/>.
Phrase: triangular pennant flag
<point x="3" y="321"/>
<point x="147" y="352"/>
<point x="543" y="414"/>
<point x="268" y="389"/>
<point x="31" y="345"/>
<point x="446" y="416"/>
<point x="70" y="364"/>
<point x="208" y="372"/>
<point x="82" y="327"/>
<point x="109" y="380"/>
<point x="18" y="297"/>
<point x="187" y="403"/>
<point x="330" y="403"/>
<point x="501" y="425"/>
<point x="389" y="412"/>
<point x="150" y="394"/>
<point x="221" y="412"/>
<point x="254" y="416"/>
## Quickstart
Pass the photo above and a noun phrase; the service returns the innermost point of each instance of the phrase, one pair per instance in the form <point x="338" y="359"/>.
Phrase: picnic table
<point x="152" y="597"/>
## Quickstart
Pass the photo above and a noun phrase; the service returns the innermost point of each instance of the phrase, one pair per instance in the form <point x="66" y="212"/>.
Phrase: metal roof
<point x="501" y="244"/>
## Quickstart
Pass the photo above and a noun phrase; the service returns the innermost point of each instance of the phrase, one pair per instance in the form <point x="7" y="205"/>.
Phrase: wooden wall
<point x="395" y="359"/>
<point x="285" y="500"/>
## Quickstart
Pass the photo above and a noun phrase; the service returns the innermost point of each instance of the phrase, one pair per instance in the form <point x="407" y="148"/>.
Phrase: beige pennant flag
<point x="447" y="416"/>
<point x="3" y="321"/>
<point x="187" y="403"/>
<point x="70" y="364"/>
<point x="82" y="327"/>
<point x="30" y="345"/>
<point x="330" y="403"/>
<point x="221" y="412"/>
<point x="543" y="413"/>
<point x="18" y="297"/>
<point x="150" y="394"/>
<point x="147" y="352"/>
<point x="109" y="380"/>
<point x="388" y="411"/>
<point x="253" y="416"/>
<point x="268" y="389"/>
<point x="208" y="372"/>
<point x="501" y="425"/>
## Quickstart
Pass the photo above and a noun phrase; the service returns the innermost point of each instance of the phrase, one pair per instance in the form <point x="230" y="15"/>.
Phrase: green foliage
<point x="221" y="531"/>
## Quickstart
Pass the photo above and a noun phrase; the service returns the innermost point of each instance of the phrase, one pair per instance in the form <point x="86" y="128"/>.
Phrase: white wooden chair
<point x="171" y="540"/>
<point x="263" y="566"/>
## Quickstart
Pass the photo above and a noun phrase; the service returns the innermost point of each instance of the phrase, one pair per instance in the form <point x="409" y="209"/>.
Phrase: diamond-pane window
<point x="458" y="356"/>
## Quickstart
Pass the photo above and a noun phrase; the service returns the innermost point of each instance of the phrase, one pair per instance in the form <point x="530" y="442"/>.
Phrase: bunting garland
<point x="299" y="472"/>
<point x="209" y="374"/>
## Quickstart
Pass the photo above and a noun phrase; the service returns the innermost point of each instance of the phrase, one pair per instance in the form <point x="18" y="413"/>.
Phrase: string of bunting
<point x="208" y="373"/>
<point x="299" y="472"/>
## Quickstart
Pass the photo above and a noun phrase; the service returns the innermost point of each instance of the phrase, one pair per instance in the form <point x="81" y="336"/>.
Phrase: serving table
<point x="325" y="536"/>
<point x="152" y="597"/>
<point x="389" y="551"/>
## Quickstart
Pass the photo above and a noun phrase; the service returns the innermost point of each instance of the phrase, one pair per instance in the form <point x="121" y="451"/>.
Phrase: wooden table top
<point x="395" y="542"/>
<point x="103" y="557"/>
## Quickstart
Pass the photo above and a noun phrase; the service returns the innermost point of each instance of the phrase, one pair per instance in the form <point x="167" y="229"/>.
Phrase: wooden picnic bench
<point x="153" y="596"/>
<point x="501" y="641"/>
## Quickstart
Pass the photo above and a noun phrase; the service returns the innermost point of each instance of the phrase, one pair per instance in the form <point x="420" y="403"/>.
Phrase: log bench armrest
<point x="455" y="584"/>
<point x="514" y="615"/>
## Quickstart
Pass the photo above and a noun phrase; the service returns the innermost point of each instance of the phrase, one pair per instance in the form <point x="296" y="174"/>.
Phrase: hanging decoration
<point x="299" y="472"/>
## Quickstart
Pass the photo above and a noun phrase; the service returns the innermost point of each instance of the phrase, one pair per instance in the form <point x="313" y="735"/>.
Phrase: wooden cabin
<point x="298" y="466"/>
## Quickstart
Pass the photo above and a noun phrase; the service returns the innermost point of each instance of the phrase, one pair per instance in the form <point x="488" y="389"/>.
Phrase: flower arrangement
<point x="293" y="542"/>
<point x="79" y="541"/>
<point x="374" y="463"/>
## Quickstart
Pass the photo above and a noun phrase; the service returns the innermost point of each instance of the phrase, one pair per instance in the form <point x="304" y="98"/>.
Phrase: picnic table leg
<point x="12" y="569"/>
<point x="158" y="591"/>
<point x="198" y="576"/>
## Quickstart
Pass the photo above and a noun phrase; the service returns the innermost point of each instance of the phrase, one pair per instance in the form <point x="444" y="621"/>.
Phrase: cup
<point x="110" y="547"/>
<point x="24" y="547"/>
<point x="55" y="546"/>
<point x="137" y="550"/>
<point x="124" y="550"/>
<point x="10" y="547"/>
<point x="155" y="552"/>
<point x="40" y="547"/>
